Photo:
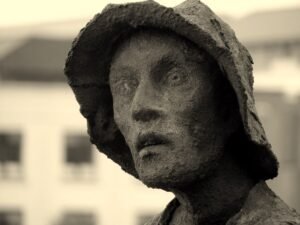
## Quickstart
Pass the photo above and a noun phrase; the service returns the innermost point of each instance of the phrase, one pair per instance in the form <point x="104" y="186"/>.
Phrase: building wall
<point x="45" y="190"/>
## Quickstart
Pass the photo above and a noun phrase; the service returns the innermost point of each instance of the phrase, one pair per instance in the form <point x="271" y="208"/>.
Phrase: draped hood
<point x="88" y="63"/>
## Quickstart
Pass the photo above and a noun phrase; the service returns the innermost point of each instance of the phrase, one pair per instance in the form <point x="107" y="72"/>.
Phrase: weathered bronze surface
<point x="168" y="95"/>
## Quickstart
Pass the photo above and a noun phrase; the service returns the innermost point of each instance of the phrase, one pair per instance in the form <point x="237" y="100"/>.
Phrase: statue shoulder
<point x="264" y="207"/>
<point x="165" y="216"/>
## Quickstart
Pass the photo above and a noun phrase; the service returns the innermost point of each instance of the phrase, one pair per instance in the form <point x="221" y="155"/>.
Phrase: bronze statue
<point x="168" y="95"/>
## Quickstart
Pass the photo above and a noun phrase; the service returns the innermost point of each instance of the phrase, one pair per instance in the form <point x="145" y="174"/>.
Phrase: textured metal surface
<point x="87" y="69"/>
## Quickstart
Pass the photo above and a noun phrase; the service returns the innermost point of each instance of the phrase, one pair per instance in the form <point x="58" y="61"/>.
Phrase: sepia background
<point x="51" y="175"/>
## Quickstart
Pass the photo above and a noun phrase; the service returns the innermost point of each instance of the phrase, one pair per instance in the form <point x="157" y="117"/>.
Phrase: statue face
<point x="165" y="106"/>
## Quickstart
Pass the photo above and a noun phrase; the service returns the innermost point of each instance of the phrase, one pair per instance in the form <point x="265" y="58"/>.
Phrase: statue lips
<point x="148" y="143"/>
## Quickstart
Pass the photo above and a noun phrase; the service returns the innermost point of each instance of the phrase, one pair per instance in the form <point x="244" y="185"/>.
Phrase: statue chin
<point x="165" y="183"/>
<point x="177" y="178"/>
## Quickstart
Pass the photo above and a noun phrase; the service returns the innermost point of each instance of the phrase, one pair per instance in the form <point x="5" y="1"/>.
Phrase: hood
<point x="88" y="63"/>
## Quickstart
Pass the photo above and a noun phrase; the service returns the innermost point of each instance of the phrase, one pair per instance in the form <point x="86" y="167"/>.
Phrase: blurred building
<point x="51" y="175"/>
<point x="49" y="172"/>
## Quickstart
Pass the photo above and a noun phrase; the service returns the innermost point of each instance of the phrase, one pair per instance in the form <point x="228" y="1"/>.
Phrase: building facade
<point x="51" y="175"/>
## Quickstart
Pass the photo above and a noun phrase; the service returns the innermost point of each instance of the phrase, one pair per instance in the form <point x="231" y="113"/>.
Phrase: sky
<point x="20" y="12"/>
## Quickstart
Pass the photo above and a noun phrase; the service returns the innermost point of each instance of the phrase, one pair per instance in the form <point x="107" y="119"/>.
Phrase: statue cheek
<point x="122" y="122"/>
<point x="200" y="125"/>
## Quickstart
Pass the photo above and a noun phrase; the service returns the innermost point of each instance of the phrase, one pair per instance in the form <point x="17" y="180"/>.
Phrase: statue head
<point x="165" y="91"/>
<point x="173" y="105"/>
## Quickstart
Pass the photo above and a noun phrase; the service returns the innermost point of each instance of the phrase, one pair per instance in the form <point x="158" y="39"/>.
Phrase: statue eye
<point x="175" y="77"/>
<point x="125" y="86"/>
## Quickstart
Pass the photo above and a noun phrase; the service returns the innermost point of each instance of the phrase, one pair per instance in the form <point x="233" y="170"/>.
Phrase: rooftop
<point x="38" y="52"/>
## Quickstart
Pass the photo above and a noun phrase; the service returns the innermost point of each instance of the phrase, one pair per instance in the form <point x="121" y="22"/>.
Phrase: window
<point x="78" y="157"/>
<point x="10" y="157"/>
<point x="77" y="218"/>
<point x="78" y="150"/>
<point x="8" y="217"/>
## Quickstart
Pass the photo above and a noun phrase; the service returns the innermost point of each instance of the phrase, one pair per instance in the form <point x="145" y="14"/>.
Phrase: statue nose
<point x="145" y="115"/>
<point x="146" y="105"/>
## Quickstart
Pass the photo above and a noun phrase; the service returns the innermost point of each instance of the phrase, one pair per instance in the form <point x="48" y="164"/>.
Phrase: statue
<point x="168" y="95"/>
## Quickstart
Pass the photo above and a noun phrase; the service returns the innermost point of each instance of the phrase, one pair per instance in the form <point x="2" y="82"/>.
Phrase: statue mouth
<point x="148" y="140"/>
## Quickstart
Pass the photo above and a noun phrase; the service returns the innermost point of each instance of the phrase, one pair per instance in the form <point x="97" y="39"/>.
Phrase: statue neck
<point x="215" y="199"/>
